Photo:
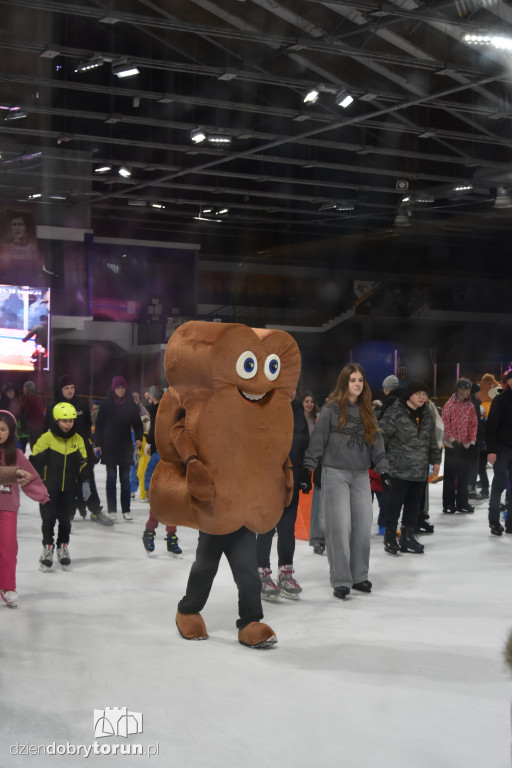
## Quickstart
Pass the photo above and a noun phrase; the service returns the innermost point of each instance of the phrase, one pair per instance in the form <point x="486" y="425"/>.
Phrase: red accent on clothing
<point x="460" y="421"/>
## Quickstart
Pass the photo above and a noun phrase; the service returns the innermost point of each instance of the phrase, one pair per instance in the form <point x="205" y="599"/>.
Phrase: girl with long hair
<point x="25" y="476"/>
<point x="347" y="441"/>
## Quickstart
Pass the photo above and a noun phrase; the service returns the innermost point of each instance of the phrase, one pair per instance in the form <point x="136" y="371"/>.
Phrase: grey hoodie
<point x="345" y="449"/>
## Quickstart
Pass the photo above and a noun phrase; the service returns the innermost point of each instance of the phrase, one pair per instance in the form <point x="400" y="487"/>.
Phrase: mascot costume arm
<point x="176" y="440"/>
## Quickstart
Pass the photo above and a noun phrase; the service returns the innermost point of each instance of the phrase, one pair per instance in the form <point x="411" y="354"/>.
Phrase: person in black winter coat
<point x="499" y="447"/>
<point x="65" y="392"/>
<point x="287" y="586"/>
<point x="117" y="416"/>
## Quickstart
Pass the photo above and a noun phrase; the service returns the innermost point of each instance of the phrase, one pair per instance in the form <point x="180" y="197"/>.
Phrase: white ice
<point x="411" y="675"/>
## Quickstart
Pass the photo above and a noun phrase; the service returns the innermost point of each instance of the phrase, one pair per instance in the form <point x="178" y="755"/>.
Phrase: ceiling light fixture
<point x="15" y="113"/>
<point x="198" y="135"/>
<point x="343" y="98"/>
<point x="124" y="68"/>
<point x="218" y="138"/>
<point x="159" y="206"/>
<point x="92" y="63"/>
<point x="490" y="39"/>
<point x="124" y="172"/>
<point x="103" y="169"/>
<point x="311" y="96"/>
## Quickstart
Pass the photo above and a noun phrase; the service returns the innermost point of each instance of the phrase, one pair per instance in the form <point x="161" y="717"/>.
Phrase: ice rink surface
<point x="410" y="676"/>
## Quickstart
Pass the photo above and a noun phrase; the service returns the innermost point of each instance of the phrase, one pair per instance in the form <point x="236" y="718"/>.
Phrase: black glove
<point x="386" y="482"/>
<point x="305" y="480"/>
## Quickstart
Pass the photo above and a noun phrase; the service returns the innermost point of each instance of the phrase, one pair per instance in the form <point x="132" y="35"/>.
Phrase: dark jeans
<point x="457" y="465"/>
<point x="502" y="470"/>
<point x="93" y="503"/>
<point x="482" y="470"/>
<point x="285" y="537"/>
<point x="240" y="550"/>
<point x="124" y="480"/>
<point x="408" y="493"/>
<point x="382" y="501"/>
<point x="60" y="507"/>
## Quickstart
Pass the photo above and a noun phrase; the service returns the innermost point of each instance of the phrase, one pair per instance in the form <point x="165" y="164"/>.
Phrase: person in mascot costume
<point x="223" y="431"/>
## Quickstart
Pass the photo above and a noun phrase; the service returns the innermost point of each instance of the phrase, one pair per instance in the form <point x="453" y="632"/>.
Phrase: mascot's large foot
<point x="191" y="626"/>
<point x="257" y="635"/>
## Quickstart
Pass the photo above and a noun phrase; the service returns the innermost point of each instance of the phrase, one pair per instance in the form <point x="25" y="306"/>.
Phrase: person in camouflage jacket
<point x="409" y="431"/>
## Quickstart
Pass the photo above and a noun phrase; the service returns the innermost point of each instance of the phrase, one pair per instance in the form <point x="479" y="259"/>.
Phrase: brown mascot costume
<point x="223" y="431"/>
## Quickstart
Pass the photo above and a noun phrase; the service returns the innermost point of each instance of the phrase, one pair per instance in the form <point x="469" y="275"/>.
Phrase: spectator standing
<point x="31" y="413"/>
<point x="117" y="416"/>
<point x="392" y="390"/>
<point x="460" y="431"/>
<point x="9" y="400"/>
<point x="499" y="446"/>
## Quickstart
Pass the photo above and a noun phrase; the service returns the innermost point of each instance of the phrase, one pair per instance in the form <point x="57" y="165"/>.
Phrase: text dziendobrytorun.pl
<point x="84" y="750"/>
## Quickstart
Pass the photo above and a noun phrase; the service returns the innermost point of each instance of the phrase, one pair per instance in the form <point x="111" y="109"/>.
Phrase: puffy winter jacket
<point x="60" y="460"/>
<point x="410" y="446"/>
<point x="499" y="423"/>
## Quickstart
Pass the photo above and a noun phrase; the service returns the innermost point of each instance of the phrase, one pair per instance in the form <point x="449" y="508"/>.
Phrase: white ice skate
<point x="10" y="596"/>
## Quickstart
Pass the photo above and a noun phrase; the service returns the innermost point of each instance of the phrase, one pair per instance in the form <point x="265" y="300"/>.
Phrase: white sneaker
<point x="10" y="596"/>
<point x="113" y="516"/>
<point x="128" y="517"/>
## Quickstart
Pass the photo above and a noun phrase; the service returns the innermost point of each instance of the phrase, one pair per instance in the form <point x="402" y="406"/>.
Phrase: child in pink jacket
<point x="11" y="458"/>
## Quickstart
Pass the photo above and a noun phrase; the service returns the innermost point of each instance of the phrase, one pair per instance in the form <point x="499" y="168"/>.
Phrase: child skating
<point x="15" y="472"/>
<point x="60" y="457"/>
<point x="148" y="537"/>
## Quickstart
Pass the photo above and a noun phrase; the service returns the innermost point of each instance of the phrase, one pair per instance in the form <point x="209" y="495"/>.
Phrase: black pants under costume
<point x="240" y="550"/>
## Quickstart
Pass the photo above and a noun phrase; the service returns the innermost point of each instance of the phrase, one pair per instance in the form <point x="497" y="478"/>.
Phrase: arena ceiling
<point x="425" y="145"/>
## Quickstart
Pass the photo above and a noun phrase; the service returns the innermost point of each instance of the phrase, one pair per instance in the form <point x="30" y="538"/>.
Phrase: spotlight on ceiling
<point x="491" y="40"/>
<point x="198" y="135"/>
<point x="15" y="113"/>
<point x="343" y="98"/>
<point x="103" y="169"/>
<point x="124" y="172"/>
<point x="159" y="206"/>
<point x="92" y="63"/>
<point x="124" y="68"/>
<point x="311" y="96"/>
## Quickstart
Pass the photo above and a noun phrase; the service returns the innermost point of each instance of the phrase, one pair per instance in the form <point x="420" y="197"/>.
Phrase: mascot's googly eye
<point x="272" y="367"/>
<point x="247" y="365"/>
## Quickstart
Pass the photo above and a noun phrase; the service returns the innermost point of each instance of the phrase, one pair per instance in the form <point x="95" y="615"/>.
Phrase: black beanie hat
<point x="65" y="381"/>
<point x="415" y="385"/>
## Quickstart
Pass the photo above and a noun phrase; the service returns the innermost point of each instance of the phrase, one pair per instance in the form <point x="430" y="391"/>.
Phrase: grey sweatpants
<point x="348" y="511"/>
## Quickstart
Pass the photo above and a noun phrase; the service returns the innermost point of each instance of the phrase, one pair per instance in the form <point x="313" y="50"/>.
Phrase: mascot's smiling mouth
<point x="252" y="397"/>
